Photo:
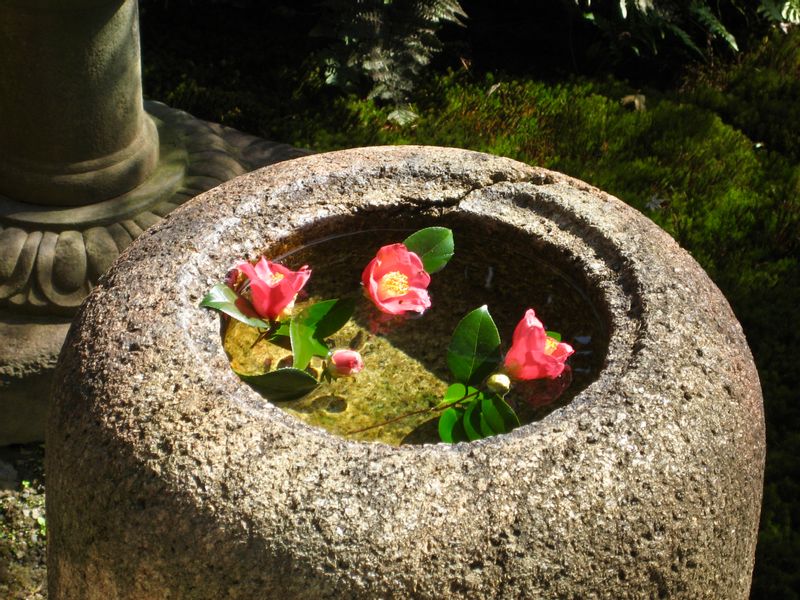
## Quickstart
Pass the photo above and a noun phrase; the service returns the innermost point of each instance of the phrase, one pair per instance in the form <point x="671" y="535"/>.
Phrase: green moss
<point x="394" y="384"/>
<point x="761" y="94"/>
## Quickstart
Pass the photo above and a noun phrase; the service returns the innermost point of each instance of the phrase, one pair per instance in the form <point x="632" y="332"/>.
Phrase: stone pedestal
<point x="73" y="130"/>
<point x="85" y="168"/>
<point x="647" y="485"/>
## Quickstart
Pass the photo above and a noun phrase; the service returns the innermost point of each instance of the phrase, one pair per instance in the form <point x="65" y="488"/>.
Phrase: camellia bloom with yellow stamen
<point x="273" y="287"/>
<point x="534" y="354"/>
<point x="396" y="281"/>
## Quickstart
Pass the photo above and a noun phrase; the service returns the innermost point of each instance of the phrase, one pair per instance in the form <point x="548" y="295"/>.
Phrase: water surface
<point x="405" y="358"/>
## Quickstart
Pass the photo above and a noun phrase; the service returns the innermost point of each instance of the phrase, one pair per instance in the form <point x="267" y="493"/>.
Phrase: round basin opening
<point x="495" y="264"/>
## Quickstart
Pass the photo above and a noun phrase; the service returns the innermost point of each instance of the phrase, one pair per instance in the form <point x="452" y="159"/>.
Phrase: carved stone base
<point x="50" y="257"/>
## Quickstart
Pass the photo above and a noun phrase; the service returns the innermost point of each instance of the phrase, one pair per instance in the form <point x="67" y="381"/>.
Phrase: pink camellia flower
<point x="534" y="354"/>
<point x="396" y="281"/>
<point x="344" y="363"/>
<point x="273" y="287"/>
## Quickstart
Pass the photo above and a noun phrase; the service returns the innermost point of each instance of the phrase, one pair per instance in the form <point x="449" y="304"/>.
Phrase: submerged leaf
<point x="283" y="384"/>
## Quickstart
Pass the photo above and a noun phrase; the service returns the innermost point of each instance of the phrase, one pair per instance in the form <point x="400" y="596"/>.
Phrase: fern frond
<point x="713" y="24"/>
<point x="685" y="38"/>
<point x="440" y="11"/>
<point x="402" y="116"/>
<point x="387" y="43"/>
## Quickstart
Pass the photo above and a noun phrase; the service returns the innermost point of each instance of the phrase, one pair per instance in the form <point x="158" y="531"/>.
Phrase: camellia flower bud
<point x="499" y="383"/>
<point x="344" y="363"/>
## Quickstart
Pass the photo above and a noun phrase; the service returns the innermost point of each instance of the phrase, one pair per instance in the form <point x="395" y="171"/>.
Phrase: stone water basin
<point x="170" y="477"/>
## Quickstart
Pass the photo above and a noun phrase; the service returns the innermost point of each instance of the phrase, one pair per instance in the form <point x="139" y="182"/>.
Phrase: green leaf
<point x="472" y="421"/>
<point x="223" y="299"/>
<point x="685" y="38"/>
<point x="281" y="331"/>
<point x="457" y="392"/>
<point x="305" y="343"/>
<point x="316" y="312"/>
<point x="313" y="324"/>
<point x="553" y="334"/>
<point x="492" y="416"/>
<point x="335" y="317"/>
<point x="510" y="418"/>
<point x="474" y="349"/>
<point x="283" y="384"/>
<point x="451" y="429"/>
<point x="434" y="245"/>
<point x="500" y="416"/>
<point x="486" y="429"/>
<point x="713" y="24"/>
<point x="487" y="415"/>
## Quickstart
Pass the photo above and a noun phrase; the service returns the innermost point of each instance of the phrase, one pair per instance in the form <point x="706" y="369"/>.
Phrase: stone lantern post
<point x="73" y="129"/>
<point x="85" y="167"/>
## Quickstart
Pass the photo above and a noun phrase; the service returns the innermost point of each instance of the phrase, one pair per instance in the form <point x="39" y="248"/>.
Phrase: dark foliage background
<point x="714" y="158"/>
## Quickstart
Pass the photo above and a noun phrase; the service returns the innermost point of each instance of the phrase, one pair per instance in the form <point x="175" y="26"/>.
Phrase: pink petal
<point x="562" y="351"/>
<point x="416" y="300"/>
<point x="270" y="297"/>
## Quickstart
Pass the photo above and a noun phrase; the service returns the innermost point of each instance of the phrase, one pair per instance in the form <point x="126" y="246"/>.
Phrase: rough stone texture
<point x="168" y="477"/>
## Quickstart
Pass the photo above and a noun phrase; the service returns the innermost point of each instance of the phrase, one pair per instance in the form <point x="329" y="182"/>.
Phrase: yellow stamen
<point x="275" y="278"/>
<point x="550" y="345"/>
<point x="392" y="285"/>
